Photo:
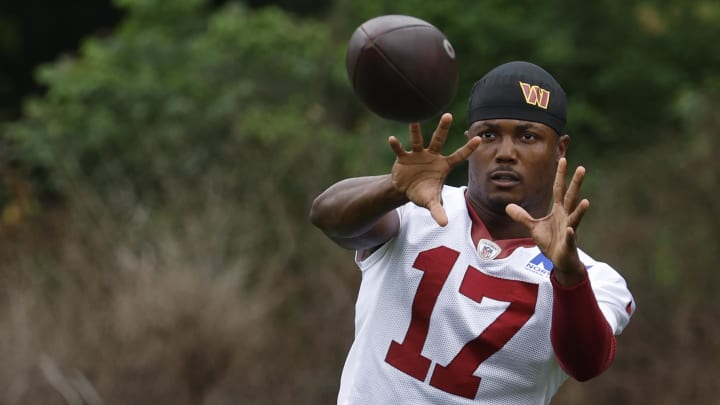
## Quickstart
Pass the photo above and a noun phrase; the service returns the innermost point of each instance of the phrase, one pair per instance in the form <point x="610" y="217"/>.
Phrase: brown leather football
<point x="402" y="68"/>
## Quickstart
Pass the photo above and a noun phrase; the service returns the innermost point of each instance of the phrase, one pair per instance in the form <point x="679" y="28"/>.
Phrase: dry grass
<point x="117" y="307"/>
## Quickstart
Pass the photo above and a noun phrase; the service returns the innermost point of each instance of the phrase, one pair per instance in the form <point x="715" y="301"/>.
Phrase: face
<point x="515" y="163"/>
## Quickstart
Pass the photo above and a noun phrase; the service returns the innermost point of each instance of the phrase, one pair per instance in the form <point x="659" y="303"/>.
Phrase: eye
<point x="486" y="134"/>
<point x="529" y="136"/>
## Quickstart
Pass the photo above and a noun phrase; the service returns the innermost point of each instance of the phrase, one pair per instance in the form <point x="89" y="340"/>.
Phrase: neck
<point x="498" y="223"/>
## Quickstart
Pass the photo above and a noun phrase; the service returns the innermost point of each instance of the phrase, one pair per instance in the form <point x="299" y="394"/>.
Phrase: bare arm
<point x="359" y="213"/>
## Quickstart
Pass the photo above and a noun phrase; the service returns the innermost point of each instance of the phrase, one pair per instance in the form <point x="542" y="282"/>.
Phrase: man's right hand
<point x="420" y="173"/>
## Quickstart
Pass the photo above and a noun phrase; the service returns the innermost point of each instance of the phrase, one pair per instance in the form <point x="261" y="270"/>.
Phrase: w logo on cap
<point x="535" y="95"/>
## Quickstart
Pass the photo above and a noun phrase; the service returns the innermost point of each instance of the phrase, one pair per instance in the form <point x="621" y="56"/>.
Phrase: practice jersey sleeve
<point x="581" y="337"/>
<point x="611" y="292"/>
<point x="585" y="318"/>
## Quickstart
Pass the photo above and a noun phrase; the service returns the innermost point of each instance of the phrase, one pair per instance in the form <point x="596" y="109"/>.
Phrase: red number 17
<point x="457" y="376"/>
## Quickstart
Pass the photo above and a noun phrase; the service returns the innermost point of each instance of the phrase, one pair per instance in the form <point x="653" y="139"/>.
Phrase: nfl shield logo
<point x="488" y="249"/>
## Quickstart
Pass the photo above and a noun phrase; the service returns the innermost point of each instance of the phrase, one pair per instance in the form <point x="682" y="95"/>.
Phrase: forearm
<point x="353" y="207"/>
<point x="581" y="337"/>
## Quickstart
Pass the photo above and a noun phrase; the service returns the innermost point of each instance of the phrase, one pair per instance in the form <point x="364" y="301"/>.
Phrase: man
<point x="476" y="294"/>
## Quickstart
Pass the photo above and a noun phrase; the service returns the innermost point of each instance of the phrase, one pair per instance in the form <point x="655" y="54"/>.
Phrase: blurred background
<point x="158" y="159"/>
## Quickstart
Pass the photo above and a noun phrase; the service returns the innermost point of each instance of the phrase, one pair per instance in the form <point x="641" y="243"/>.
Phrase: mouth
<point x="505" y="178"/>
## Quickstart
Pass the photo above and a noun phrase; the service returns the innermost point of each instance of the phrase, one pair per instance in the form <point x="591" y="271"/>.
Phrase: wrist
<point x="570" y="278"/>
<point x="393" y="193"/>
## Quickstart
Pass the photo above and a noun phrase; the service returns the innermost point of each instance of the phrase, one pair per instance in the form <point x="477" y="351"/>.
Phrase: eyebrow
<point x="493" y="126"/>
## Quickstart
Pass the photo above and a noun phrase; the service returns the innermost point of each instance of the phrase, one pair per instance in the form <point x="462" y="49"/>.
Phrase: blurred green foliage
<point x="184" y="88"/>
<point x="177" y="94"/>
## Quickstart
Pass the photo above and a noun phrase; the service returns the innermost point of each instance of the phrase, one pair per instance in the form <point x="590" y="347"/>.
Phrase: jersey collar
<point x="479" y="231"/>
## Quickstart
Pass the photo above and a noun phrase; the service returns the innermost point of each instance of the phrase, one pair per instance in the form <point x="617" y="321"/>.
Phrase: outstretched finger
<point x="519" y="215"/>
<point x="463" y="152"/>
<point x="570" y="238"/>
<point x="437" y="212"/>
<point x="573" y="192"/>
<point x="396" y="147"/>
<point x="416" y="139"/>
<point x="576" y="216"/>
<point x="559" y="185"/>
<point x="440" y="135"/>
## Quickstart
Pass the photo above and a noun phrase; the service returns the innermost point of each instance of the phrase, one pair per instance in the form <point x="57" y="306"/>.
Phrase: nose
<point x="506" y="151"/>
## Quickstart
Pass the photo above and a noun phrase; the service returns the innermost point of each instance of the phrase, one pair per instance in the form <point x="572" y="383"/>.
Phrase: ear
<point x="467" y="136"/>
<point x="563" y="144"/>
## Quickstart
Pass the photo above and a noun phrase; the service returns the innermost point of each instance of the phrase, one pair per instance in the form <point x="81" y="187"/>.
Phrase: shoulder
<point x="414" y="218"/>
<point x="454" y="193"/>
<point x="417" y="226"/>
<point x="453" y="201"/>
<point x="611" y="291"/>
<point x="601" y="273"/>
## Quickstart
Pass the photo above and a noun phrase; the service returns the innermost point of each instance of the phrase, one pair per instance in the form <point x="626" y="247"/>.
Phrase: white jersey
<point x="440" y="320"/>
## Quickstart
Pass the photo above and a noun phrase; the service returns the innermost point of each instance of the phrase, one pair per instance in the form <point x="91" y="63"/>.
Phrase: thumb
<point x="518" y="214"/>
<point x="437" y="212"/>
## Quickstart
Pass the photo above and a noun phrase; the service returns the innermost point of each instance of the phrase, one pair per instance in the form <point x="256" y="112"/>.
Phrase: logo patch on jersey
<point x="540" y="264"/>
<point x="488" y="249"/>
